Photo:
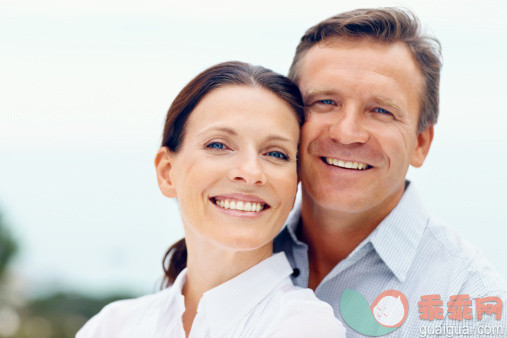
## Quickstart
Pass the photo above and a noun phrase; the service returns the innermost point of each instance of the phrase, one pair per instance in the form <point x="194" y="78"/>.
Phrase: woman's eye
<point x="278" y="154"/>
<point x="216" y="145"/>
<point x="381" y="110"/>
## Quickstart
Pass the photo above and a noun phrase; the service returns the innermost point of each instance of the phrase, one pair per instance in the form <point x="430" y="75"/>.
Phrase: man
<point x="370" y="83"/>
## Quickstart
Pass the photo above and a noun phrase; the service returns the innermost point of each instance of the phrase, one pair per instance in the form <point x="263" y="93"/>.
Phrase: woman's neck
<point x="209" y="265"/>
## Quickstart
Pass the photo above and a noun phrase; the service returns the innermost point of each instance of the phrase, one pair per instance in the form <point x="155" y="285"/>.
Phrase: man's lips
<point x="240" y="202"/>
<point x="346" y="164"/>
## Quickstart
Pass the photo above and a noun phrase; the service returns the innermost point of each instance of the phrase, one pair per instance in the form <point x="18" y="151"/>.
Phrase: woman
<point x="228" y="156"/>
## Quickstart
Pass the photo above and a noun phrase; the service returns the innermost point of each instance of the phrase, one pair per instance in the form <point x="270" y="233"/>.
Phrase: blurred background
<point x="84" y="88"/>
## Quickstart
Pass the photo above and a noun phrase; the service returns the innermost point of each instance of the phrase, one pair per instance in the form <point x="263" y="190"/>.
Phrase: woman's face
<point x="235" y="176"/>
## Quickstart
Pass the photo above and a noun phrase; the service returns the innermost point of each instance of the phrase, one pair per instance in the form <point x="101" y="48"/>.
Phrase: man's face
<point x="362" y="101"/>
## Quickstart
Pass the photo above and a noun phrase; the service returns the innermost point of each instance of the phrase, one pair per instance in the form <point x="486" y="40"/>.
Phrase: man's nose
<point x="348" y="126"/>
<point x="248" y="169"/>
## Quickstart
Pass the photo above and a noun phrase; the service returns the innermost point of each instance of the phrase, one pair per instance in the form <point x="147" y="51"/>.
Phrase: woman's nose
<point x="248" y="169"/>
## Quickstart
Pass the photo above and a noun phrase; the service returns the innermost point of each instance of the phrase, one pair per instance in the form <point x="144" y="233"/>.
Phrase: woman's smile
<point x="238" y="201"/>
<point x="240" y="205"/>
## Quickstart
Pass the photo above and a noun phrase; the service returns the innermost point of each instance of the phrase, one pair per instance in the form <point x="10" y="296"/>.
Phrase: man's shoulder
<point x="445" y="254"/>
<point x="441" y="238"/>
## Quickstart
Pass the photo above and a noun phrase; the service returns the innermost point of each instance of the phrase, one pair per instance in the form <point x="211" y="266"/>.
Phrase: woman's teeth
<point x="348" y="165"/>
<point x="240" y="205"/>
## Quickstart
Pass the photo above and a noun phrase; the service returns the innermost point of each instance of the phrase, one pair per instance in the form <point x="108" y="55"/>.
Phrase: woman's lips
<point x="240" y="202"/>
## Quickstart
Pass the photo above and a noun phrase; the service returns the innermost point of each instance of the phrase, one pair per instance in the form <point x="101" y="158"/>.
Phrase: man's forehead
<point x="344" y="53"/>
<point x="354" y="58"/>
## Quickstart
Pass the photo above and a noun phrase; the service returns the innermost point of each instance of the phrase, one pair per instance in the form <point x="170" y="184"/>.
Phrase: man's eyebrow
<point x="387" y="102"/>
<point x="317" y="92"/>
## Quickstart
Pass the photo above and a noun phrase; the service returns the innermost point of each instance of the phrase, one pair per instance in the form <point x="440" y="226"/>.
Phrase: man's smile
<point x="346" y="164"/>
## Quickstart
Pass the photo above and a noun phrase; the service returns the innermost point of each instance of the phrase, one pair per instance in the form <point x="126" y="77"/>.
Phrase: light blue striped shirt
<point x="411" y="252"/>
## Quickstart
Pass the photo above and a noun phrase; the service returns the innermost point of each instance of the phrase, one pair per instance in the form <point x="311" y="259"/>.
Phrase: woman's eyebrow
<point x="221" y="129"/>
<point x="278" y="138"/>
<point x="232" y="132"/>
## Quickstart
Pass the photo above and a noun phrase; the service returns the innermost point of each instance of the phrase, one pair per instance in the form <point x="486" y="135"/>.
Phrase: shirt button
<point x="295" y="272"/>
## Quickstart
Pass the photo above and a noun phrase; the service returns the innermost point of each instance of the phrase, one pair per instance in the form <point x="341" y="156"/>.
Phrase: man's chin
<point x="337" y="200"/>
<point x="350" y="205"/>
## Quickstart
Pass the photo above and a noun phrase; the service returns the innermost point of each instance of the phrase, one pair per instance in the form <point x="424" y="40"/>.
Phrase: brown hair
<point x="232" y="73"/>
<point x="386" y="25"/>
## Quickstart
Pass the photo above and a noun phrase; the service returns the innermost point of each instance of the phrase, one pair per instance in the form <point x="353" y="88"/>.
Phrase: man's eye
<point x="216" y="145"/>
<point x="278" y="154"/>
<point x="382" y="111"/>
<point x="326" y="101"/>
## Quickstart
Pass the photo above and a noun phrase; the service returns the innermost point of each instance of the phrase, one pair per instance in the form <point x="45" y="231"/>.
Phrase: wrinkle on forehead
<point x="374" y="51"/>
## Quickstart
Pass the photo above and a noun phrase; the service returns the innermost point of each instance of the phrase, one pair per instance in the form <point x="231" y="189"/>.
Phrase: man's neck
<point x="332" y="235"/>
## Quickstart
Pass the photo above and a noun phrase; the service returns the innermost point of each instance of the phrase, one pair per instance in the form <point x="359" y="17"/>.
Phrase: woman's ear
<point x="163" y="165"/>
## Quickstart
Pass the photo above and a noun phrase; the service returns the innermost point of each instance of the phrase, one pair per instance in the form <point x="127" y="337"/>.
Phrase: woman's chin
<point x="244" y="244"/>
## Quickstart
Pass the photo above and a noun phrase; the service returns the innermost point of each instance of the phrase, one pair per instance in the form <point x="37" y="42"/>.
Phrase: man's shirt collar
<point x="395" y="239"/>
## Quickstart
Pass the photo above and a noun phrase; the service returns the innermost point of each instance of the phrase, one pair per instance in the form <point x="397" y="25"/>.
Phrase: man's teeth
<point x="348" y="165"/>
<point x="240" y="205"/>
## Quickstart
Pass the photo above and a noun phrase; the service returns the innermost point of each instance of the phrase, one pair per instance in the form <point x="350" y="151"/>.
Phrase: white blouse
<point x="260" y="302"/>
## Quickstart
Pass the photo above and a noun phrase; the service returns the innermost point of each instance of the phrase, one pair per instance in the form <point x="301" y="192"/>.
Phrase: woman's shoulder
<point x="124" y="315"/>
<point x="131" y="307"/>
<point x="288" y="294"/>
<point x="300" y="313"/>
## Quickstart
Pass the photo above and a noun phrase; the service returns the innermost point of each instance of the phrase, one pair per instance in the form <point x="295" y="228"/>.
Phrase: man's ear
<point x="422" y="147"/>
<point x="163" y="166"/>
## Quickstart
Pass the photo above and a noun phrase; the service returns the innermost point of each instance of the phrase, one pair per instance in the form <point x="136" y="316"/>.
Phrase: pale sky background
<point x="85" y="85"/>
